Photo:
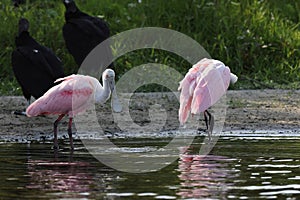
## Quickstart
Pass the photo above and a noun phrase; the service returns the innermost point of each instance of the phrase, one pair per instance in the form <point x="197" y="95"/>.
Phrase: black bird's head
<point x="70" y="6"/>
<point x="18" y="2"/>
<point x="23" y="25"/>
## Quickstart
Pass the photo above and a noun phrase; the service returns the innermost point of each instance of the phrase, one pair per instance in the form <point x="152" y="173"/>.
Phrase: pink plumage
<point x="69" y="97"/>
<point x="204" y="84"/>
<point x="74" y="94"/>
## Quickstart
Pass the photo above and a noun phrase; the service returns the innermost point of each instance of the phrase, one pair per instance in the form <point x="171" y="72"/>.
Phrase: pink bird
<point x="204" y="84"/>
<point x="74" y="95"/>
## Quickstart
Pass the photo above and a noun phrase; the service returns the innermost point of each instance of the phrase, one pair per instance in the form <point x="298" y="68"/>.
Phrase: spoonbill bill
<point x="204" y="84"/>
<point x="74" y="95"/>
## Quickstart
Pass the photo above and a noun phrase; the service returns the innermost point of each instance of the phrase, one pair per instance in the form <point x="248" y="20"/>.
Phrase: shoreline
<point x="251" y="111"/>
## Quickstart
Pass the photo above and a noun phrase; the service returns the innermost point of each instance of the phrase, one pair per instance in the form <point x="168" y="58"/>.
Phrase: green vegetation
<point x="259" y="40"/>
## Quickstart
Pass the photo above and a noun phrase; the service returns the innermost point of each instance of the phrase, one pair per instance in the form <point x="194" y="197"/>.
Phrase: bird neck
<point x="72" y="11"/>
<point x="103" y="93"/>
<point x="24" y="39"/>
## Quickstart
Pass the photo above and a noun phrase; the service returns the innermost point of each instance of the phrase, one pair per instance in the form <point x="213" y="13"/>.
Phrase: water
<point x="237" y="168"/>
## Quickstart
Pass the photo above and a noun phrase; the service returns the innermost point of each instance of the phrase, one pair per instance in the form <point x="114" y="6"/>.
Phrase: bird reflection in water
<point x="204" y="176"/>
<point x="67" y="177"/>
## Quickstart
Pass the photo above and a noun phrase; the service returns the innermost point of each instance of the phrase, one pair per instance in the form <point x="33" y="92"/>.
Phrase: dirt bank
<point x="247" y="110"/>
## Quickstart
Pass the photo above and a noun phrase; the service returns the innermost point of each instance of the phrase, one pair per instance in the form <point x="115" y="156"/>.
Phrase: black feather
<point x="35" y="66"/>
<point x="82" y="33"/>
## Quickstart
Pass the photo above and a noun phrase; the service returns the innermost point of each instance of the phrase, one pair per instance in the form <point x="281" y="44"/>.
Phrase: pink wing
<point x="69" y="97"/>
<point x="211" y="86"/>
<point x="187" y="86"/>
<point x="202" y="87"/>
<point x="66" y="78"/>
<point x="185" y="97"/>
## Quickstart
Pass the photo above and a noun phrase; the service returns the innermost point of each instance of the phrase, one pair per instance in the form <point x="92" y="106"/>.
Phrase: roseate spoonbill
<point x="35" y="66"/>
<point x="204" y="84"/>
<point x="82" y="33"/>
<point x="74" y="95"/>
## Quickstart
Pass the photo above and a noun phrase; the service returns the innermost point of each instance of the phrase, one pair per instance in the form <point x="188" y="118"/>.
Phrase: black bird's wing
<point x="103" y="26"/>
<point x="53" y="62"/>
<point x="81" y="36"/>
<point x="33" y="72"/>
<point x="100" y="24"/>
<point x="19" y="63"/>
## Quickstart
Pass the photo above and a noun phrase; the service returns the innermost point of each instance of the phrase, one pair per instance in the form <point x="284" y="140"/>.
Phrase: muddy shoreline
<point x="248" y="110"/>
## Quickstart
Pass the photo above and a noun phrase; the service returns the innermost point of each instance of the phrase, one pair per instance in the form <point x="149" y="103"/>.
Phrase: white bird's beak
<point x="233" y="78"/>
<point x="115" y="102"/>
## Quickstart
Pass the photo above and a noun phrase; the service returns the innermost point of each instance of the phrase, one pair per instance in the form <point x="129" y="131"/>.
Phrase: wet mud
<point x="249" y="110"/>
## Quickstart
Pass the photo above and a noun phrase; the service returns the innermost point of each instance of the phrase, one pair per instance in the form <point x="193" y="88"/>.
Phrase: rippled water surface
<point x="237" y="168"/>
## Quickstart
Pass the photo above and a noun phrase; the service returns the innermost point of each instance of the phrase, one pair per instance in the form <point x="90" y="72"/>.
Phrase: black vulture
<point x="35" y="66"/>
<point x="18" y="2"/>
<point x="82" y="33"/>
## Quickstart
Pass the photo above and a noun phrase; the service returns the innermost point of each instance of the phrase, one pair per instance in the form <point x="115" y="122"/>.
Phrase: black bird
<point x="35" y="66"/>
<point x="18" y="2"/>
<point x="82" y="33"/>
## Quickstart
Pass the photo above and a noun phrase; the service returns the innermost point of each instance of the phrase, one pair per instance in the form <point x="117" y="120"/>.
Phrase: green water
<point x="237" y="168"/>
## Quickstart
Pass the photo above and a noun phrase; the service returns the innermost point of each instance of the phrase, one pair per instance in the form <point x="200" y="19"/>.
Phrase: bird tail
<point x="33" y="109"/>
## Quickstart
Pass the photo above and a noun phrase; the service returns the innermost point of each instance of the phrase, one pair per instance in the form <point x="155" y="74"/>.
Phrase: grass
<point x="259" y="40"/>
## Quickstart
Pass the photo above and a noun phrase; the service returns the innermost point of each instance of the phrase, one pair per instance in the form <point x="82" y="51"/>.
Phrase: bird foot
<point x="55" y="147"/>
<point x="201" y="130"/>
<point x="18" y="112"/>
